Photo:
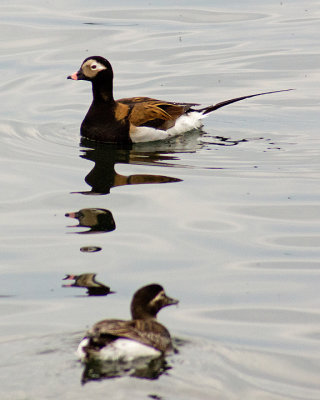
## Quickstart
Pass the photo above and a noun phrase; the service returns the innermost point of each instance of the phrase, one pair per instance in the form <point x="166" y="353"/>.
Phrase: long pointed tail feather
<point x="214" y="107"/>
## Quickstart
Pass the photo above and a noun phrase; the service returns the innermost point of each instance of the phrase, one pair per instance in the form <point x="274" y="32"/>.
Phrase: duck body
<point x="125" y="341"/>
<point x="97" y="346"/>
<point x="136" y="119"/>
<point x="126" y="120"/>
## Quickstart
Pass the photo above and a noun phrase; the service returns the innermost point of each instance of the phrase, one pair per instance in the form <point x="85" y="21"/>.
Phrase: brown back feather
<point x="148" y="332"/>
<point x="155" y="113"/>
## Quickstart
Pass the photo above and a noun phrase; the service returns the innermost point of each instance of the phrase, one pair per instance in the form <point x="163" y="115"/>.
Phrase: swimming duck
<point x="136" y="119"/>
<point x="141" y="337"/>
<point x="94" y="288"/>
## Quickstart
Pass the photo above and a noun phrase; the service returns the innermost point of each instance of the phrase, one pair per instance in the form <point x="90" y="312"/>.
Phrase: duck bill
<point x="77" y="76"/>
<point x="170" y="301"/>
<point x="73" y="76"/>
<point x="73" y="277"/>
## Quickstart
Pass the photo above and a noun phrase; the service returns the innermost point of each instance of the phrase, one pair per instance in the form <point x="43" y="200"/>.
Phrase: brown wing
<point x="135" y="100"/>
<point x="145" y="111"/>
<point x="155" y="333"/>
<point x="148" y="332"/>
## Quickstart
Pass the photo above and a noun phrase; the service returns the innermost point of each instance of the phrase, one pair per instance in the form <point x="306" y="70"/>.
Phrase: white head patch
<point x="91" y="67"/>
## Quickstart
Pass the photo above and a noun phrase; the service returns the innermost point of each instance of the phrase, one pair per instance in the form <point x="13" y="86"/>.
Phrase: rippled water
<point x="231" y="226"/>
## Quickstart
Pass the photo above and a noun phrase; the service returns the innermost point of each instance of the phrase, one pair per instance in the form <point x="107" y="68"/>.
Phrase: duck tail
<point x="209" y="109"/>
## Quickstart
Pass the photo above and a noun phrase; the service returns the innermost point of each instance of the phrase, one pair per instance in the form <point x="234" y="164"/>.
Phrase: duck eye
<point x="94" y="66"/>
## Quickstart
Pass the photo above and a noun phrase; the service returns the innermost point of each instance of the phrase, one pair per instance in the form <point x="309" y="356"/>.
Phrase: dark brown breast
<point x="106" y="123"/>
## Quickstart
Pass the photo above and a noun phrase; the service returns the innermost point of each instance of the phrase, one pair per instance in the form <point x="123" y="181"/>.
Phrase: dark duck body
<point x="104" y="120"/>
<point x="141" y="337"/>
<point x="136" y="119"/>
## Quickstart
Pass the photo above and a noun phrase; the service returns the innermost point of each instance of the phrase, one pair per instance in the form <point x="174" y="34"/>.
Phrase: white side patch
<point x="184" y="124"/>
<point x="127" y="350"/>
<point x="124" y="350"/>
<point x="80" y="352"/>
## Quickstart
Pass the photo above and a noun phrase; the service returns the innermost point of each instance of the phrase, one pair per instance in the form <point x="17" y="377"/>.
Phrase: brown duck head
<point x="149" y="300"/>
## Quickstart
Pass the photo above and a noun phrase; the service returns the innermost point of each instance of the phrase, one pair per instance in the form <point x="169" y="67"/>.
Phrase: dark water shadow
<point x="103" y="176"/>
<point x="223" y="141"/>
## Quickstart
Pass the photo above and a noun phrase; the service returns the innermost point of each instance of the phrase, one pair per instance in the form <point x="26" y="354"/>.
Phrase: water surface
<point x="227" y="221"/>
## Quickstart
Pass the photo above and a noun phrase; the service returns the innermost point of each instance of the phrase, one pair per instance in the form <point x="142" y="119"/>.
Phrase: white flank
<point x="184" y="124"/>
<point x="80" y="352"/>
<point x="124" y="350"/>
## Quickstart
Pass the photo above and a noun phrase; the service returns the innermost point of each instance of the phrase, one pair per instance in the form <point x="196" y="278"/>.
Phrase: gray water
<point x="235" y="235"/>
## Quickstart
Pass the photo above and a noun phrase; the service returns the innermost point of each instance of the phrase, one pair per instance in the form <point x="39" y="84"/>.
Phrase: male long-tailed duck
<point x="136" y="119"/>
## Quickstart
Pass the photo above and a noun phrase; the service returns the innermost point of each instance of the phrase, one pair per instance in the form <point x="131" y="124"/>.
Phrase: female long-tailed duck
<point x="142" y="337"/>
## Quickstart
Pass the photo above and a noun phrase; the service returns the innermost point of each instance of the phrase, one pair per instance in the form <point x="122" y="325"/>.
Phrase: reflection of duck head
<point x="98" y="219"/>
<point x="103" y="177"/>
<point x="88" y="281"/>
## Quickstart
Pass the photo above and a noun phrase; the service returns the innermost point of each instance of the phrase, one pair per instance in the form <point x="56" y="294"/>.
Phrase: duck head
<point x="93" y="68"/>
<point x="149" y="300"/>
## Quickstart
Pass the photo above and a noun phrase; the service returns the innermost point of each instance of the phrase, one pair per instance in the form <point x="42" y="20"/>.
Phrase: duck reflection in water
<point x="103" y="177"/>
<point x="97" y="219"/>
<point x="98" y="370"/>
<point x="135" y="347"/>
<point x="94" y="288"/>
